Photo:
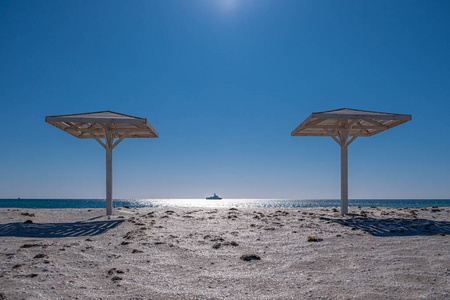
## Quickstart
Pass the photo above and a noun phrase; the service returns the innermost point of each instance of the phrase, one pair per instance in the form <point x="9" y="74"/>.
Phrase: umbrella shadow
<point x="57" y="230"/>
<point x="395" y="226"/>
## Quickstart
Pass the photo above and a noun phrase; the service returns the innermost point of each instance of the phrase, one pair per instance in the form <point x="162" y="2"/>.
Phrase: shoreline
<point x="224" y="203"/>
<point x="200" y="253"/>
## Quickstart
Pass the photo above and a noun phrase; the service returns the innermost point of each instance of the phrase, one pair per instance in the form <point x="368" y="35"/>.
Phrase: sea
<point x="224" y="203"/>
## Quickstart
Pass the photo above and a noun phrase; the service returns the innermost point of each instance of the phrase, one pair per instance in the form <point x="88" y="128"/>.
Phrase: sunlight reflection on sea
<point x="224" y="203"/>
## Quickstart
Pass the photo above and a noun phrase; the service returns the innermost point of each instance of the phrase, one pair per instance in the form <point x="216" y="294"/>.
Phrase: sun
<point x="228" y="5"/>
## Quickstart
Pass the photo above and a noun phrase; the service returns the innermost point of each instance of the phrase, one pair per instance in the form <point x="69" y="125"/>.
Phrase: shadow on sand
<point x="395" y="226"/>
<point x="57" y="230"/>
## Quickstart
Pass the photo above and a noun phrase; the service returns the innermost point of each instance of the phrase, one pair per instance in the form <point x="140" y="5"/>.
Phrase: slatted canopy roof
<point x="360" y="123"/>
<point x="344" y="126"/>
<point x="106" y="125"/>
<point x="93" y="125"/>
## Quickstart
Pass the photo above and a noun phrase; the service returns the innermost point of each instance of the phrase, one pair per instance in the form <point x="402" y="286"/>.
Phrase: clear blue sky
<point x="224" y="82"/>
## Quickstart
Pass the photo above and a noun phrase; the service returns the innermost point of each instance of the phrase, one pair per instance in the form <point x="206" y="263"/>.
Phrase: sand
<point x="198" y="253"/>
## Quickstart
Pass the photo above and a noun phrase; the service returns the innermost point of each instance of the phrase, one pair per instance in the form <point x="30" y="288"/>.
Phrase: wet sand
<point x="198" y="253"/>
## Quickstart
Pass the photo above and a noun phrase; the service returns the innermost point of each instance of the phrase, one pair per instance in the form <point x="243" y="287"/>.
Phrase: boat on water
<point x="215" y="197"/>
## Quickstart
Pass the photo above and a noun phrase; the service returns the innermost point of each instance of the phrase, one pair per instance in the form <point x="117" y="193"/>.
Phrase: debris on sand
<point x="111" y="271"/>
<point x="250" y="257"/>
<point x="218" y="245"/>
<point x="27" y="214"/>
<point x="314" y="238"/>
<point x="129" y="235"/>
<point x="30" y="245"/>
<point x="115" y="271"/>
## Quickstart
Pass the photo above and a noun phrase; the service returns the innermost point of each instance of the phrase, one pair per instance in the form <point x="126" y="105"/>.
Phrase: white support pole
<point x="109" y="142"/>
<point x="344" y="178"/>
<point x="344" y="135"/>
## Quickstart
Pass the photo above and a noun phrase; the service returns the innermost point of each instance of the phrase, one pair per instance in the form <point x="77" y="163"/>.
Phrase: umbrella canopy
<point x="358" y="122"/>
<point x="344" y="126"/>
<point x="106" y="125"/>
<point x="93" y="125"/>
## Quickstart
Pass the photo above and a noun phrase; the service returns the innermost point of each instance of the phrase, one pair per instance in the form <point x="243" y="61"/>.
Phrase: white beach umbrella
<point x="106" y="125"/>
<point x="344" y="126"/>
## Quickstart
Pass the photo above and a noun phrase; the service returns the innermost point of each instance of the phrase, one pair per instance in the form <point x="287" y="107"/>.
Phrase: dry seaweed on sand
<point x="250" y="257"/>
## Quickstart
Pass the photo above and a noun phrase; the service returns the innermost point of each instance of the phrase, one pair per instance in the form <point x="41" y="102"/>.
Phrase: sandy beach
<point x="198" y="253"/>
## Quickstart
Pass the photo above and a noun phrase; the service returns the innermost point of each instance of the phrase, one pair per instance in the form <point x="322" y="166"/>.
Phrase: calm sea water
<point x="238" y="203"/>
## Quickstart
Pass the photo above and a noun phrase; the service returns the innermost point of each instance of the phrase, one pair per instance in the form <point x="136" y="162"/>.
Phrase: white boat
<point x="215" y="197"/>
